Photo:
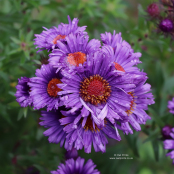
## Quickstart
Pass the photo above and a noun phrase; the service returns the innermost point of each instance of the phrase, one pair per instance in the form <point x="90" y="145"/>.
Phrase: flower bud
<point x="166" y="130"/>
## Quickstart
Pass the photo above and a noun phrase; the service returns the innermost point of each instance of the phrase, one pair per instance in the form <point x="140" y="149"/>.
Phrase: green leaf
<point x="14" y="104"/>
<point x="156" y="117"/>
<point x="155" y="146"/>
<point x="153" y="135"/>
<point x="15" y="40"/>
<point x="25" y="112"/>
<point x="29" y="36"/>
<point x="132" y="141"/>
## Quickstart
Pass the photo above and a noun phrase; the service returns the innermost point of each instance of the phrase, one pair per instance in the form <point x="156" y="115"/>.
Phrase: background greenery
<point x="23" y="148"/>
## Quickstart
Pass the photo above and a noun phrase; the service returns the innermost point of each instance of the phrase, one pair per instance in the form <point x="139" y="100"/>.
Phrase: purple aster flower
<point x="141" y="99"/>
<point x="171" y="106"/>
<point x="48" y="38"/>
<point x="82" y="131"/>
<point x="77" y="166"/>
<point x="169" y="144"/>
<point x="55" y="131"/>
<point x="77" y="131"/>
<point x="123" y="59"/>
<point x="113" y="40"/>
<point x="44" y="88"/>
<point x="74" y="53"/>
<point x="23" y="92"/>
<point x="166" y="25"/>
<point x="99" y="86"/>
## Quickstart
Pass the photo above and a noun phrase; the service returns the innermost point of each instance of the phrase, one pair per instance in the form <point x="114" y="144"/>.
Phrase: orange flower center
<point x="76" y="58"/>
<point x="89" y="124"/>
<point x="95" y="90"/>
<point x="132" y="105"/>
<point x="119" y="67"/>
<point x="58" y="37"/>
<point x="52" y="88"/>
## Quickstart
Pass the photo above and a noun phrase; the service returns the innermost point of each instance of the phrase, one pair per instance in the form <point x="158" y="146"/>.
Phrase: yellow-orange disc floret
<point x="132" y="105"/>
<point x="58" y="37"/>
<point x="95" y="90"/>
<point x="76" y="58"/>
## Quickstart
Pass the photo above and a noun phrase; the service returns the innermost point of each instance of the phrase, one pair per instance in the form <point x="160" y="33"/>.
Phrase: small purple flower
<point x="166" y="130"/>
<point x="44" y="88"/>
<point x="77" y="131"/>
<point x="113" y="40"/>
<point x="48" y="39"/>
<point x="123" y="59"/>
<point x="74" y="53"/>
<point x="77" y="166"/>
<point x="171" y="106"/>
<point x="55" y="131"/>
<point x="82" y="131"/>
<point x="169" y="144"/>
<point x="23" y="92"/>
<point x="166" y="25"/>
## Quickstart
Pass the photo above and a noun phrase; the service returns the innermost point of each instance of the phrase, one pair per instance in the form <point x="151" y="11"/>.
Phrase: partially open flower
<point x="166" y="25"/>
<point x="23" y="92"/>
<point x="166" y="130"/>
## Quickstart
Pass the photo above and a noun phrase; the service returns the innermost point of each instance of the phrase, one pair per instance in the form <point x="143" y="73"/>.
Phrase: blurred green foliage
<point x="23" y="148"/>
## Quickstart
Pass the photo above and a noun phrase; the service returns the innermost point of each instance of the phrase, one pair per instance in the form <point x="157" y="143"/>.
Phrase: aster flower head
<point x="73" y="55"/>
<point x="77" y="166"/>
<point x="55" y="131"/>
<point x="166" y="25"/>
<point x="44" y="88"/>
<point x="49" y="37"/>
<point x="123" y="58"/>
<point x="169" y="144"/>
<point x="171" y="106"/>
<point x="113" y="39"/>
<point x="23" y="92"/>
<point x="76" y="131"/>
<point x="136" y="113"/>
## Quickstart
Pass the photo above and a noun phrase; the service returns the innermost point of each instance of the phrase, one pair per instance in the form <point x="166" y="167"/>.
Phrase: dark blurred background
<point x="23" y="148"/>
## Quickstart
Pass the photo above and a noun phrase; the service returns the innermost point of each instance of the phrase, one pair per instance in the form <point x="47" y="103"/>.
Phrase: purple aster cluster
<point x="89" y="91"/>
